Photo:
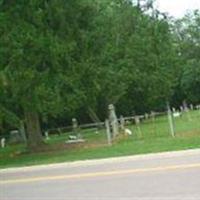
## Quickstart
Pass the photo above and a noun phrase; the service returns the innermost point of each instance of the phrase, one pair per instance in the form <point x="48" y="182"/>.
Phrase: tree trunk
<point x="93" y="115"/>
<point x="34" y="133"/>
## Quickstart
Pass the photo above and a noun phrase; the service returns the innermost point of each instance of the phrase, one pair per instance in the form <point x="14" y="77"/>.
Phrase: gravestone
<point x="73" y="137"/>
<point x="176" y="114"/>
<point x="74" y="125"/>
<point x="76" y="128"/>
<point x="59" y="131"/>
<point x="146" y="115"/>
<point x="46" y="133"/>
<point x="127" y="122"/>
<point x="137" y="120"/>
<point x="185" y="107"/>
<point x="114" y="127"/>
<point x="15" y="137"/>
<point x="3" y="142"/>
<point x="191" y="107"/>
<point x="187" y="110"/>
<point x="128" y="131"/>
<point x="76" y="137"/>
<point x="153" y="115"/>
<point x="122" y="123"/>
<point x="173" y="110"/>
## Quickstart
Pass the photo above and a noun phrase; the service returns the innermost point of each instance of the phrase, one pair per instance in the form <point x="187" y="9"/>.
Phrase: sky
<point x="177" y="8"/>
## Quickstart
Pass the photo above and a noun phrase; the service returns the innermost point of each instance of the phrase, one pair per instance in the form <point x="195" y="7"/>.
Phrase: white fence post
<point x="137" y="123"/>
<point x="108" y="132"/>
<point x="170" y="119"/>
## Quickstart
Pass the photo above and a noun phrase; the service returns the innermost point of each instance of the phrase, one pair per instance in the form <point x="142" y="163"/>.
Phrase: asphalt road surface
<point x="162" y="176"/>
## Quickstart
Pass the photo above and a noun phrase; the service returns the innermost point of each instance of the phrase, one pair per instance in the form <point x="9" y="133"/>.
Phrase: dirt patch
<point x="58" y="147"/>
<point x="189" y="133"/>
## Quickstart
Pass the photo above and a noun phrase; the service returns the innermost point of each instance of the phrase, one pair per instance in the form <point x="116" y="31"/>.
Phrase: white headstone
<point x="15" y="137"/>
<point x="74" y="124"/>
<point x="176" y="114"/>
<point x="128" y="131"/>
<point x="185" y="107"/>
<point x="146" y="115"/>
<point x="137" y="120"/>
<point x="3" y="142"/>
<point x="181" y="108"/>
<point x="153" y="115"/>
<point x="73" y="137"/>
<point x="46" y="133"/>
<point x="76" y="128"/>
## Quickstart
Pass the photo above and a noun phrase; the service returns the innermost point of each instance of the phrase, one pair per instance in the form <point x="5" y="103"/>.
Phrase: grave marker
<point x="76" y="128"/>
<point x="46" y="133"/>
<point x="113" y="121"/>
<point x="187" y="111"/>
<point x="15" y="137"/>
<point x="3" y="142"/>
<point x="191" y="107"/>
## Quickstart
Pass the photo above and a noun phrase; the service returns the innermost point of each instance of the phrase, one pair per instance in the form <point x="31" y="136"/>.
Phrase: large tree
<point x="38" y="46"/>
<point x="187" y="34"/>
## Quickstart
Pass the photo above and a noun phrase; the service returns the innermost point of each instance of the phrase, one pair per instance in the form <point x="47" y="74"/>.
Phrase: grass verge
<point x="123" y="148"/>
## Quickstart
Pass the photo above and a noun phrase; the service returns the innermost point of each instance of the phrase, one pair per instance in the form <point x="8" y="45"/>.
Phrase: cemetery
<point x="85" y="79"/>
<point x="154" y="132"/>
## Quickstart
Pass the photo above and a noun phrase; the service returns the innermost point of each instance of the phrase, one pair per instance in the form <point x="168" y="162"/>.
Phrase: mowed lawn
<point x="149" y="136"/>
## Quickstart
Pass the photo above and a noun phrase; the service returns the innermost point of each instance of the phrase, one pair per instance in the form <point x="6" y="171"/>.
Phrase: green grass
<point x="149" y="137"/>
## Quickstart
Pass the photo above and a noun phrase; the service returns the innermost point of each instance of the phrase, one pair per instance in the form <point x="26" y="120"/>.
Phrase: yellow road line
<point x="98" y="174"/>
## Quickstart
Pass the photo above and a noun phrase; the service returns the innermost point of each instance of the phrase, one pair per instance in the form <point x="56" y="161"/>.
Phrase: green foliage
<point x="188" y="43"/>
<point x="36" y="60"/>
<point x="72" y="58"/>
<point x="190" y="81"/>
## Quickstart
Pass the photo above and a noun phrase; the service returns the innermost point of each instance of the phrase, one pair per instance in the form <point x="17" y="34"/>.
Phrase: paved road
<point x="161" y="176"/>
